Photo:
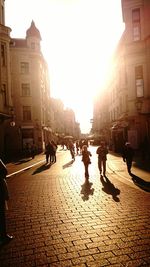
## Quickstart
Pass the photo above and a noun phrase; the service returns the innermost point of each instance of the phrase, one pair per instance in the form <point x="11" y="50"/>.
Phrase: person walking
<point x="80" y="145"/>
<point x="77" y="147"/>
<point x="102" y="152"/>
<point x="4" y="197"/>
<point x="72" y="149"/>
<point x="128" y="154"/>
<point x="53" y="151"/>
<point x="33" y="150"/>
<point x="86" y="154"/>
<point x="48" y="152"/>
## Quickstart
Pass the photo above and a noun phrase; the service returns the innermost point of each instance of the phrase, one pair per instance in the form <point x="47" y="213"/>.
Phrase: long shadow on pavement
<point x="21" y="161"/>
<point x="68" y="164"/>
<point x="42" y="168"/>
<point x="86" y="190"/>
<point x="109" y="188"/>
<point x="145" y="185"/>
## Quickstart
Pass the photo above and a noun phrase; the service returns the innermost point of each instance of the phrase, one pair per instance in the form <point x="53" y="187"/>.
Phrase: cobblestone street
<point x="58" y="219"/>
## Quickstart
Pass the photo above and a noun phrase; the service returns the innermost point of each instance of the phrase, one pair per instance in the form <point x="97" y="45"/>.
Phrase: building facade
<point x="28" y="114"/>
<point x="128" y="87"/>
<point x="30" y="91"/>
<point x="6" y="109"/>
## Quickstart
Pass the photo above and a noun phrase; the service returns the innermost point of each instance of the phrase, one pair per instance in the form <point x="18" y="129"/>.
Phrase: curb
<point x="24" y="169"/>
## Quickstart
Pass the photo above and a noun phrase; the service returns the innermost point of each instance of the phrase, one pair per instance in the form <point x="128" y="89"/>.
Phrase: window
<point x="3" y="54"/>
<point x="25" y="89"/>
<point x="26" y="113"/>
<point x="139" y="82"/>
<point x="136" y="24"/>
<point x="24" y="67"/>
<point x="33" y="46"/>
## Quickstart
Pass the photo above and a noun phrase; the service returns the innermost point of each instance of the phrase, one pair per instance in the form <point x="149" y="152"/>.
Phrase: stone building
<point x="28" y="114"/>
<point x="63" y="121"/>
<point x="5" y="81"/>
<point x="30" y="91"/>
<point x="128" y="88"/>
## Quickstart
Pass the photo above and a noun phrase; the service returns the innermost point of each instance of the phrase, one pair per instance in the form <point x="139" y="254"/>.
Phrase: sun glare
<point x="78" y="38"/>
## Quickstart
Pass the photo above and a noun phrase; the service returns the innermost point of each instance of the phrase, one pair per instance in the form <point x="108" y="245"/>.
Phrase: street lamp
<point x="12" y="123"/>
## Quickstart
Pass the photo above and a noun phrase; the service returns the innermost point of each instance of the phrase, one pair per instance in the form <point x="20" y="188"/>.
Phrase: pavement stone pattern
<point x="59" y="220"/>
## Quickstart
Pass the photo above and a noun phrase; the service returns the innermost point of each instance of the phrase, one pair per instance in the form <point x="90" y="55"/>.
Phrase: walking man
<point x="48" y="152"/>
<point x="128" y="154"/>
<point x="72" y="149"/>
<point x="102" y="152"/>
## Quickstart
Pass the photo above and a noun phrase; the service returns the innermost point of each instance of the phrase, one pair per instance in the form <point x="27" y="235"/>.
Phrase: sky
<point x="78" y="39"/>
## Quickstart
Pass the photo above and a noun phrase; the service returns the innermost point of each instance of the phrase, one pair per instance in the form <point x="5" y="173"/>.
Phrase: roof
<point x="16" y="42"/>
<point x="33" y="31"/>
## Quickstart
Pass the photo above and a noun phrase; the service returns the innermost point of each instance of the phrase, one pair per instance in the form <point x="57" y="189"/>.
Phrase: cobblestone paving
<point x="58" y="220"/>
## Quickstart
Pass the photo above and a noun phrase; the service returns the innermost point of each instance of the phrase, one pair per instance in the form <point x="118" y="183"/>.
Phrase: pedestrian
<point x="4" y="197"/>
<point x="33" y="150"/>
<point x="48" y="152"/>
<point x="72" y="149"/>
<point x="77" y="147"/>
<point x="86" y="154"/>
<point x="128" y="154"/>
<point x="102" y="152"/>
<point x="80" y="145"/>
<point x="53" y="151"/>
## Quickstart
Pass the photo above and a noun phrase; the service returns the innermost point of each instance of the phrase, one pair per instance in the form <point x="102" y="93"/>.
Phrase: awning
<point x="4" y="116"/>
<point x="48" y="129"/>
<point x="117" y="125"/>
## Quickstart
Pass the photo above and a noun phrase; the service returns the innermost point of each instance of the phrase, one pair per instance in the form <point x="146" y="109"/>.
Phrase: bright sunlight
<point x="78" y="38"/>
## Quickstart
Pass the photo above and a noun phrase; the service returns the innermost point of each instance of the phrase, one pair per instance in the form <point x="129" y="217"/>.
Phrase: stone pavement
<point x="58" y="219"/>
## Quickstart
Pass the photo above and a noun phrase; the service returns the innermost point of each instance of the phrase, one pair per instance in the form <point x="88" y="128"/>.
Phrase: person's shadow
<point x="109" y="188"/>
<point x="86" y="190"/>
<point x="145" y="185"/>
<point x="21" y="161"/>
<point x="41" y="168"/>
<point x="68" y="164"/>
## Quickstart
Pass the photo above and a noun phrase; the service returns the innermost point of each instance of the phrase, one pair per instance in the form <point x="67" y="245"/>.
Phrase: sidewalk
<point x="23" y="164"/>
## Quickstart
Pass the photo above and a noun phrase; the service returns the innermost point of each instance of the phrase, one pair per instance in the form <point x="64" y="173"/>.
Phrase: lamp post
<point x="12" y="122"/>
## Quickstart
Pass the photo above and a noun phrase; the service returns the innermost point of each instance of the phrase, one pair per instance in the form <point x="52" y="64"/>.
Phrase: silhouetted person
<point x="72" y="149"/>
<point x="128" y="154"/>
<point x="102" y="152"/>
<point x="80" y="145"/>
<point x="53" y="151"/>
<point x="4" y="197"/>
<point x="77" y="147"/>
<point x="33" y="150"/>
<point x="48" y="152"/>
<point x="86" y="154"/>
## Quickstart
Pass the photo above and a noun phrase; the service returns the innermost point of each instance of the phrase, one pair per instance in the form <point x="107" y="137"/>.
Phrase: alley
<point x="58" y="219"/>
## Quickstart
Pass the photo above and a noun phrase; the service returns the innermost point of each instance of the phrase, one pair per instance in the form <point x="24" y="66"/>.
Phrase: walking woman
<point x="86" y="154"/>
